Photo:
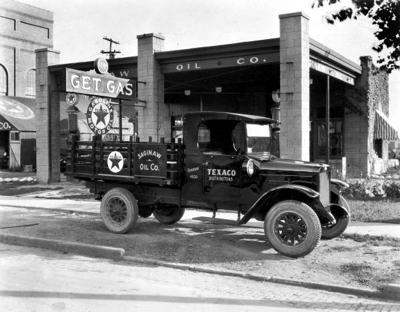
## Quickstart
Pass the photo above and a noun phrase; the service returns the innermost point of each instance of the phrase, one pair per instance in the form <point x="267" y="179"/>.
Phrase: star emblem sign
<point x="72" y="98"/>
<point x="101" y="114"/>
<point x="114" y="162"/>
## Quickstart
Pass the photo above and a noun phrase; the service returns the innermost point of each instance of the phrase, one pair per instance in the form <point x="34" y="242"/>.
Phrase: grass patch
<point x="363" y="273"/>
<point x="374" y="240"/>
<point x="340" y="249"/>
<point x="374" y="210"/>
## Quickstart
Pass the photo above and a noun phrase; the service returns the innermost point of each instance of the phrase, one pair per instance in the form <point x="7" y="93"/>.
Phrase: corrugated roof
<point x="383" y="129"/>
<point x="20" y="112"/>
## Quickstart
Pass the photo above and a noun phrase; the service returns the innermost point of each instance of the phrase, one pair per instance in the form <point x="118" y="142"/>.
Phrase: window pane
<point x="30" y="91"/>
<point x="3" y="81"/>
<point x="335" y="138"/>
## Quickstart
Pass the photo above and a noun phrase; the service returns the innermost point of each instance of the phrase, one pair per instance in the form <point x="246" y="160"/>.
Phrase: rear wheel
<point x="119" y="210"/>
<point x="169" y="214"/>
<point x="335" y="230"/>
<point x="292" y="228"/>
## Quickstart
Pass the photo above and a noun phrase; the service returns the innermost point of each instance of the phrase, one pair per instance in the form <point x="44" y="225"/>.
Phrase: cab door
<point x="222" y="177"/>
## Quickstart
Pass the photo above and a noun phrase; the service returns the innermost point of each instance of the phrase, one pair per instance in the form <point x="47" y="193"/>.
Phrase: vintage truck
<point x="225" y="161"/>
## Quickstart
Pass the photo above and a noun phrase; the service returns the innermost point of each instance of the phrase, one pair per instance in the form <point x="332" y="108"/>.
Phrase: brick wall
<point x="23" y="29"/>
<point x="154" y="119"/>
<point x="47" y="117"/>
<point x="370" y="93"/>
<point x="294" y="86"/>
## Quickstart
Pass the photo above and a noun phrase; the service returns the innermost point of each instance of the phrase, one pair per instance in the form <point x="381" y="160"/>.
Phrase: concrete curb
<point x="76" y="248"/>
<point x="391" y="292"/>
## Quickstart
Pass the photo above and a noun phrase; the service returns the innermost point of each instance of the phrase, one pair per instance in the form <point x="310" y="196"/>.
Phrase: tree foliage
<point x="385" y="14"/>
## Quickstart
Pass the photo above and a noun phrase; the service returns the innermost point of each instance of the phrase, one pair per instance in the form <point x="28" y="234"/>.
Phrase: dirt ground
<point x="354" y="261"/>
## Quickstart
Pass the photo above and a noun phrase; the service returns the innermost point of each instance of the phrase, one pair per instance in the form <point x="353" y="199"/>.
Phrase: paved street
<point x="41" y="280"/>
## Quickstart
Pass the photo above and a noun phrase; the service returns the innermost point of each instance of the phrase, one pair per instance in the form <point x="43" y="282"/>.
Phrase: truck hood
<point x="276" y="164"/>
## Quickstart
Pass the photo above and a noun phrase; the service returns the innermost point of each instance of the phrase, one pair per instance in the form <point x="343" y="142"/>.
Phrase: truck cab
<point x="218" y="149"/>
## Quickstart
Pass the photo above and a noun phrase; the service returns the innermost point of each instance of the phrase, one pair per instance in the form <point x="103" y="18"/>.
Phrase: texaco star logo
<point x="72" y="98"/>
<point x="100" y="115"/>
<point x="115" y="162"/>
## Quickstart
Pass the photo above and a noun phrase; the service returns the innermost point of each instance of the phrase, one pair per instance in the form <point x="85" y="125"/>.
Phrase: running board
<point x="228" y="222"/>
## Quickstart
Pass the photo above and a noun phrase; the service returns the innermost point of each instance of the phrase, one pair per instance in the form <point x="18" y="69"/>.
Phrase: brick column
<point x="295" y="86"/>
<point x="47" y="117"/>
<point x="154" y="118"/>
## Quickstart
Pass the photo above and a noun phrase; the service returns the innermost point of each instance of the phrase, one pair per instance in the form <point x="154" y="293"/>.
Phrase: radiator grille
<point x="324" y="186"/>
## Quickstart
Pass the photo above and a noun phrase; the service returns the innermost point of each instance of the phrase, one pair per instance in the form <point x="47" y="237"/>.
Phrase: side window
<point x="214" y="137"/>
<point x="203" y="138"/>
<point x="239" y="139"/>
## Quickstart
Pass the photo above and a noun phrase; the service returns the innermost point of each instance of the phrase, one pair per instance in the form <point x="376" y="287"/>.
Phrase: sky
<point x="80" y="25"/>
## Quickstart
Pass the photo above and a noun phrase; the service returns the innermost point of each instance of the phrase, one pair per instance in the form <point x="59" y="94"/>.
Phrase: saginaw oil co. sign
<point x="105" y="85"/>
<point x="150" y="161"/>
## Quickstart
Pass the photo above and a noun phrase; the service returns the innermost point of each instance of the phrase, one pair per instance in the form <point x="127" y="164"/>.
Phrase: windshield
<point x="258" y="139"/>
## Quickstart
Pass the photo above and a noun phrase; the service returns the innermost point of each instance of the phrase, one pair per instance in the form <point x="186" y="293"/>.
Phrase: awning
<point x="20" y="112"/>
<point x="383" y="129"/>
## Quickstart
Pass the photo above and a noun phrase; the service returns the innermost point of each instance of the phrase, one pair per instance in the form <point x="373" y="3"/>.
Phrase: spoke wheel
<point x="119" y="210"/>
<point x="335" y="230"/>
<point x="292" y="228"/>
<point x="169" y="215"/>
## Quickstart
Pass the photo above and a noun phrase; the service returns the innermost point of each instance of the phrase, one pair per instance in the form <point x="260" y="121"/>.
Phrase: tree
<point x="385" y="14"/>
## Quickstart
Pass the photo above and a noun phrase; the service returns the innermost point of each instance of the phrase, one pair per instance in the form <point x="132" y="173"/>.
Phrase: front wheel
<point x="292" y="228"/>
<point x="168" y="215"/>
<point x="119" y="210"/>
<point x="332" y="231"/>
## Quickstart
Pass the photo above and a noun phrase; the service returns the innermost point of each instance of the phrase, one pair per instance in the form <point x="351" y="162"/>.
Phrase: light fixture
<point x="187" y="92"/>
<point x="218" y="89"/>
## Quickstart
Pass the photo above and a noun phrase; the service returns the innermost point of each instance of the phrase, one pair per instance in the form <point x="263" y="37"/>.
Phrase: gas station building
<point x="329" y="108"/>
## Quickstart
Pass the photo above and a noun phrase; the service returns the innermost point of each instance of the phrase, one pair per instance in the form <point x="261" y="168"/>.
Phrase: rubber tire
<point x="169" y="215"/>
<point x="125" y="198"/>
<point x="329" y="232"/>
<point x="308" y="216"/>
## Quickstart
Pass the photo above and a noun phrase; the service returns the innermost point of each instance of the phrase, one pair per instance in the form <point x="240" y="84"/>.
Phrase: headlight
<point x="250" y="168"/>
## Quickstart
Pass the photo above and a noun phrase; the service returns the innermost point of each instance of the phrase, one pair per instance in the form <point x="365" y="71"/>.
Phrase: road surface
<point x="33" y="279"/>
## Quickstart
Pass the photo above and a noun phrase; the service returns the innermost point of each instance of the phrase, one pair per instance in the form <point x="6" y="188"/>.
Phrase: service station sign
<point x="102" y="85"/>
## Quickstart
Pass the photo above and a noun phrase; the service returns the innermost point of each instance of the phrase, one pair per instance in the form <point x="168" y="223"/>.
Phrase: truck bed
<point x="126" y="162"/>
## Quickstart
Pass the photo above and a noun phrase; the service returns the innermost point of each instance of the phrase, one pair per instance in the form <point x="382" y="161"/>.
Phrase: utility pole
<point x="110" y="52"/>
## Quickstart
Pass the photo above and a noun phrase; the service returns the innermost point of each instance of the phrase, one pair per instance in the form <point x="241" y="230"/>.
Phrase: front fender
<point x="338" y="211"/>
<point x="339" y="184"/>
<point x="260" y="203"/>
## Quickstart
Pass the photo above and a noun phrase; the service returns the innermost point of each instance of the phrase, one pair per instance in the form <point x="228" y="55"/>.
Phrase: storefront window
<point x="335" y="139"/>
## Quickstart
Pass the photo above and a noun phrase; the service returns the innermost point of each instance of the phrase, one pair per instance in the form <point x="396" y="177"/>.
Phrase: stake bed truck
<point x="225" y="161"/>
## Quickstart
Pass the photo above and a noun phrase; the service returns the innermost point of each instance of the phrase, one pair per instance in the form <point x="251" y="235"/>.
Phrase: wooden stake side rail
<point x="89" y="160"/>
